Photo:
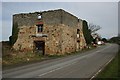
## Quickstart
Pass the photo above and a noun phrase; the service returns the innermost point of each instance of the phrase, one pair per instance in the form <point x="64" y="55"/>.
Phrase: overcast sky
<point x="119" y="18"/>
<point x="104" y="14"/>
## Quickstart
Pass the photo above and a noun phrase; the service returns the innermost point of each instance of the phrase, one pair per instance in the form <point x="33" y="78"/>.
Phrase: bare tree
<point x="93" y="28"/>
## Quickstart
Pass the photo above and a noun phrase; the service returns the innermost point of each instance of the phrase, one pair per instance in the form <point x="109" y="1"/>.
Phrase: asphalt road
<point x="83" y="65"/>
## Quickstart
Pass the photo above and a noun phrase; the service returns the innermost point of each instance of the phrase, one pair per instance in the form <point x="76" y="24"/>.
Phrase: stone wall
<point x="82" y="38"/>
<point x="25" y="19"/>
<point x="60" y="27"/>
<point x="24" y="41"/>
<point x="53" y="17"/>
<point x="53" y="40"/>
<point x="68" y="39"/>
<point x="69" y="19"/>
<point x="61" y="39"/>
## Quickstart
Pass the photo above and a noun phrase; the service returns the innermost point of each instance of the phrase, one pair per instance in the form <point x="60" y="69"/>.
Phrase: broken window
<point x="39" y="28"/>
<point x="78" y="33"/>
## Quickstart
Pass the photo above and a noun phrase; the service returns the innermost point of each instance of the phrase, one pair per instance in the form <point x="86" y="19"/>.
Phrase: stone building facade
<point x="52" y="32"/>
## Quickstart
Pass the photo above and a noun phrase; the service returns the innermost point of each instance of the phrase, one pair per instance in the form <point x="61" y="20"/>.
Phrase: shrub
<point x="87" y="33"/>
<point x="15" y="30"/>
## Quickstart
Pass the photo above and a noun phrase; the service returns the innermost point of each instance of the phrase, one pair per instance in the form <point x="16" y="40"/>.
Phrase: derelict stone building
<point x="52" y="32"/>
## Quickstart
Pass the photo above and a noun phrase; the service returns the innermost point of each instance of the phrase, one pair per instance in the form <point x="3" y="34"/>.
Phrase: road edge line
<point x="102" y="68"/>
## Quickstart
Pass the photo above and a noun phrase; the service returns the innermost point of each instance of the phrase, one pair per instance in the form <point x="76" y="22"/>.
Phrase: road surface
<point x="83" y="65"/>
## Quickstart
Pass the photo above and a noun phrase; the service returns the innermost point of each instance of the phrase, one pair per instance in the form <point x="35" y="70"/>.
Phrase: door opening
<point x="40" y="47"/>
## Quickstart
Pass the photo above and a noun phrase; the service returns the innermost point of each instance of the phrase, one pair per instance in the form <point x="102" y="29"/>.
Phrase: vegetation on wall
<point x="87" y="32"/>
<point x="15" y="30"/>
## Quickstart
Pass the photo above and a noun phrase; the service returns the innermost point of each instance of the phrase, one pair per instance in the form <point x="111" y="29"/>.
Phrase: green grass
<point x="112" y="70"/>
<point x="19" y="58"/>
<point x="12" y="58"/>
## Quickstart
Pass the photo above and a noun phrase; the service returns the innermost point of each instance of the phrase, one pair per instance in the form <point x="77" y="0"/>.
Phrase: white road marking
<point x="55" y="69"/>
<point x="101" y="68"/>
<point x="72" y="63"/>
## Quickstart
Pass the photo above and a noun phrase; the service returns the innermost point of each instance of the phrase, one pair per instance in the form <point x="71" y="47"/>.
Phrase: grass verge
<point x="112" y="70"/>
<point x="12" y="58"/>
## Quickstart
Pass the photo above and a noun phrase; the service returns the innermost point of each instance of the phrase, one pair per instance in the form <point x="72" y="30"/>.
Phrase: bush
<point x="87" y="33"/>
<point x="13" y="38"/>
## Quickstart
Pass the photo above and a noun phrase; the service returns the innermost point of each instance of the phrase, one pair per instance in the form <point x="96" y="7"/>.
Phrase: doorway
<point x="40" y="47"/>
